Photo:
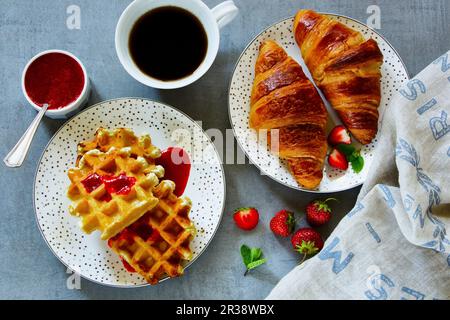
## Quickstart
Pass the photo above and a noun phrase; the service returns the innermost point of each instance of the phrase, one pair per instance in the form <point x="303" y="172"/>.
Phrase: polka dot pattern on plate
<point x="88" y="254"/>
<point x="394" y="74"/>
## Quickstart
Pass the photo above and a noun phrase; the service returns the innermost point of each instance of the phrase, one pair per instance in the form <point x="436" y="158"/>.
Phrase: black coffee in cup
<point x="168" y="43"/>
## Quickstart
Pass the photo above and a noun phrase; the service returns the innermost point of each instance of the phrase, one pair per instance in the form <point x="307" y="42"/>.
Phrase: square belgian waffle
<point x="115" y="188"/>
<point x="120" y="138"/>
<point x="109" y="212"/>
<point x="157" y="244"/>
<point x="131" y="160"/>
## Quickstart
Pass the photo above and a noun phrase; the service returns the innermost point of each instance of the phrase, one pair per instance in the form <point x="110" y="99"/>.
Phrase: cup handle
<point x="225" y="13"/>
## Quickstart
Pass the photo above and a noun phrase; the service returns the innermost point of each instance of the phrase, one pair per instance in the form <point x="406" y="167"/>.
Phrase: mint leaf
<point x="357" y="164"/>
<point x="251" y="257"/>
<point x="255" y="254"/>
<point x="246" y="254"/>
<point x="346" y="149"/>
<point x="353" y="156"/>
<point x="256" y="264"/>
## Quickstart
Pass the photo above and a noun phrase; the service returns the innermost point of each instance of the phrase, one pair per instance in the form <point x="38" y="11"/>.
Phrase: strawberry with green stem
<point x="283" y="223"/>
<point x="318" y="212"/>
<point x="307" y="242"/>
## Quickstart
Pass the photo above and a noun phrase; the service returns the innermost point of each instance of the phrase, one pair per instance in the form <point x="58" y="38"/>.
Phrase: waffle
<point x="120" y="138"/>
<point x="157" y="244"/>
<point x="112" y="215"/>
<point x="148" y="225"/>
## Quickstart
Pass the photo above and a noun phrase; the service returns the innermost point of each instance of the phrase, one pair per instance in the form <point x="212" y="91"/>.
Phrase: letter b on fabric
<point x="439" y="126"/>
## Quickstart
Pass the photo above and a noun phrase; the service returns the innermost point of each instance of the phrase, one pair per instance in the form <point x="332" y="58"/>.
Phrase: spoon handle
<point x="18" y="154"/>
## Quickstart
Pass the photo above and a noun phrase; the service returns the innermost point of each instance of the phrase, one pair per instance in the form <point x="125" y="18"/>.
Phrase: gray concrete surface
<point x="417" y="29"/>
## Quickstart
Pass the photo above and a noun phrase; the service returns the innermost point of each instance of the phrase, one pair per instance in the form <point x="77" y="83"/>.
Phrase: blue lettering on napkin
<point x="378" y="292"/>
<point x="389" y="198"/>
<point x="408" y="203"/>
<point x="338" y="265"/>
<point x="416" y="294"/>
<point x="427" y="106"/>
<point x="359" y="206"/>
<point x="439" y="126"/>
<point x="412" y="94"/>
<point x="373" y="232"/>
<point x="444" y="61"/>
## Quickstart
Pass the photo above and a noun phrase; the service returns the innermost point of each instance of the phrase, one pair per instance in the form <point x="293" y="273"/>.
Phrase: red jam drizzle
<point x="92" y="182"/>
<point x="177" y="167"/>
<point x="155" y="236"/>
<point x="127" y="266"/>
<point x="128" y="236"/>
<point x="106" y="197"/>
<point x="140" y="229"/>
<point x="120" y="184"/>
<point x="54" y="78"/>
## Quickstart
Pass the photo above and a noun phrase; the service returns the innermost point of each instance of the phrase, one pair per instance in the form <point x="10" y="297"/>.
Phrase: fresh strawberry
<point x="246" y="218"/>
<point x="339" y="135"/>
<point x="318" y="212"/>
<point x="338" y="160"/>
<point x="282" y="224"/>
<point x="307" y="241"/>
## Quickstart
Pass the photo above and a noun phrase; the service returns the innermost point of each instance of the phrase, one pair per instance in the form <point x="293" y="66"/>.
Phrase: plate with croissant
<point x="307" y="97"/>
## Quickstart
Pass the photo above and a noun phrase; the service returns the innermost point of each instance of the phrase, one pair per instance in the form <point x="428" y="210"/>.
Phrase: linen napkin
<point x="394" y="243"/>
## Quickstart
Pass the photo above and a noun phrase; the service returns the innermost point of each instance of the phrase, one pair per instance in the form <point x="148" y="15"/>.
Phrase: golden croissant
<point x="284" y="98"/>
<point x="345" y="67"/>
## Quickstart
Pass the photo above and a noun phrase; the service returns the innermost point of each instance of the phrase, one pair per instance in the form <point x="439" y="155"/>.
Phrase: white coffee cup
<point x="211" y="19"/>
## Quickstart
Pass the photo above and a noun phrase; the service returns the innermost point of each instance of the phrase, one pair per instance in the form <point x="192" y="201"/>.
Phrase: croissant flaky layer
<point x="305" y="148"/>
<point x="345" y="67"/>
<point x="308" y="171"/>
<point x="285" y="102"/>
<point x="303" y="140"/>
<point x="287" y="106"/>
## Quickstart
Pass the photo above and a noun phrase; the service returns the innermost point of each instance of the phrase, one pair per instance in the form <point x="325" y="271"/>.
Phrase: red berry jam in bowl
<point x="58" y="78"/>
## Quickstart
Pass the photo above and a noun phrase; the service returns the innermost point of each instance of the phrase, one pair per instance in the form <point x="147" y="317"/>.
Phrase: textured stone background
<point x="418" y="30"/>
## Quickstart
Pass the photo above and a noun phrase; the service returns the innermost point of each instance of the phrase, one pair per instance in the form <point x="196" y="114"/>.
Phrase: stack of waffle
<point x="116" y="189"/>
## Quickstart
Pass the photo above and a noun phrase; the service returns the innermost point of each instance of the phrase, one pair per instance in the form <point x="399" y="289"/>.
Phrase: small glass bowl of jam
<point x="58" y="78"/>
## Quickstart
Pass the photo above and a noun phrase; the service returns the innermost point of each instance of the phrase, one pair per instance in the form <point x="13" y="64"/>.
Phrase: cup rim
<point x="71" y="106"/>
<point x="134" y="71"/>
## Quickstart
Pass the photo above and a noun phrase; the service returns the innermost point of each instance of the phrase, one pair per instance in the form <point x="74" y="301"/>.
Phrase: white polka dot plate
<point x="88" y="255"/>
<point x="394" y="73"/>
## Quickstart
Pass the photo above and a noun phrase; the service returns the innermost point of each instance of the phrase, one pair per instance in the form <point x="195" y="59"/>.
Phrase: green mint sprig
<point x="353" y="156"/>
<point x="252" y="258"/>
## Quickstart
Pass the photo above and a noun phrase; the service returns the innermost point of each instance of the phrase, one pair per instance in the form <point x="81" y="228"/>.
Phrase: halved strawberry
<point x="339" y="135"/>
<point x="338" y="160"/>
<point x="246" y="218"/>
